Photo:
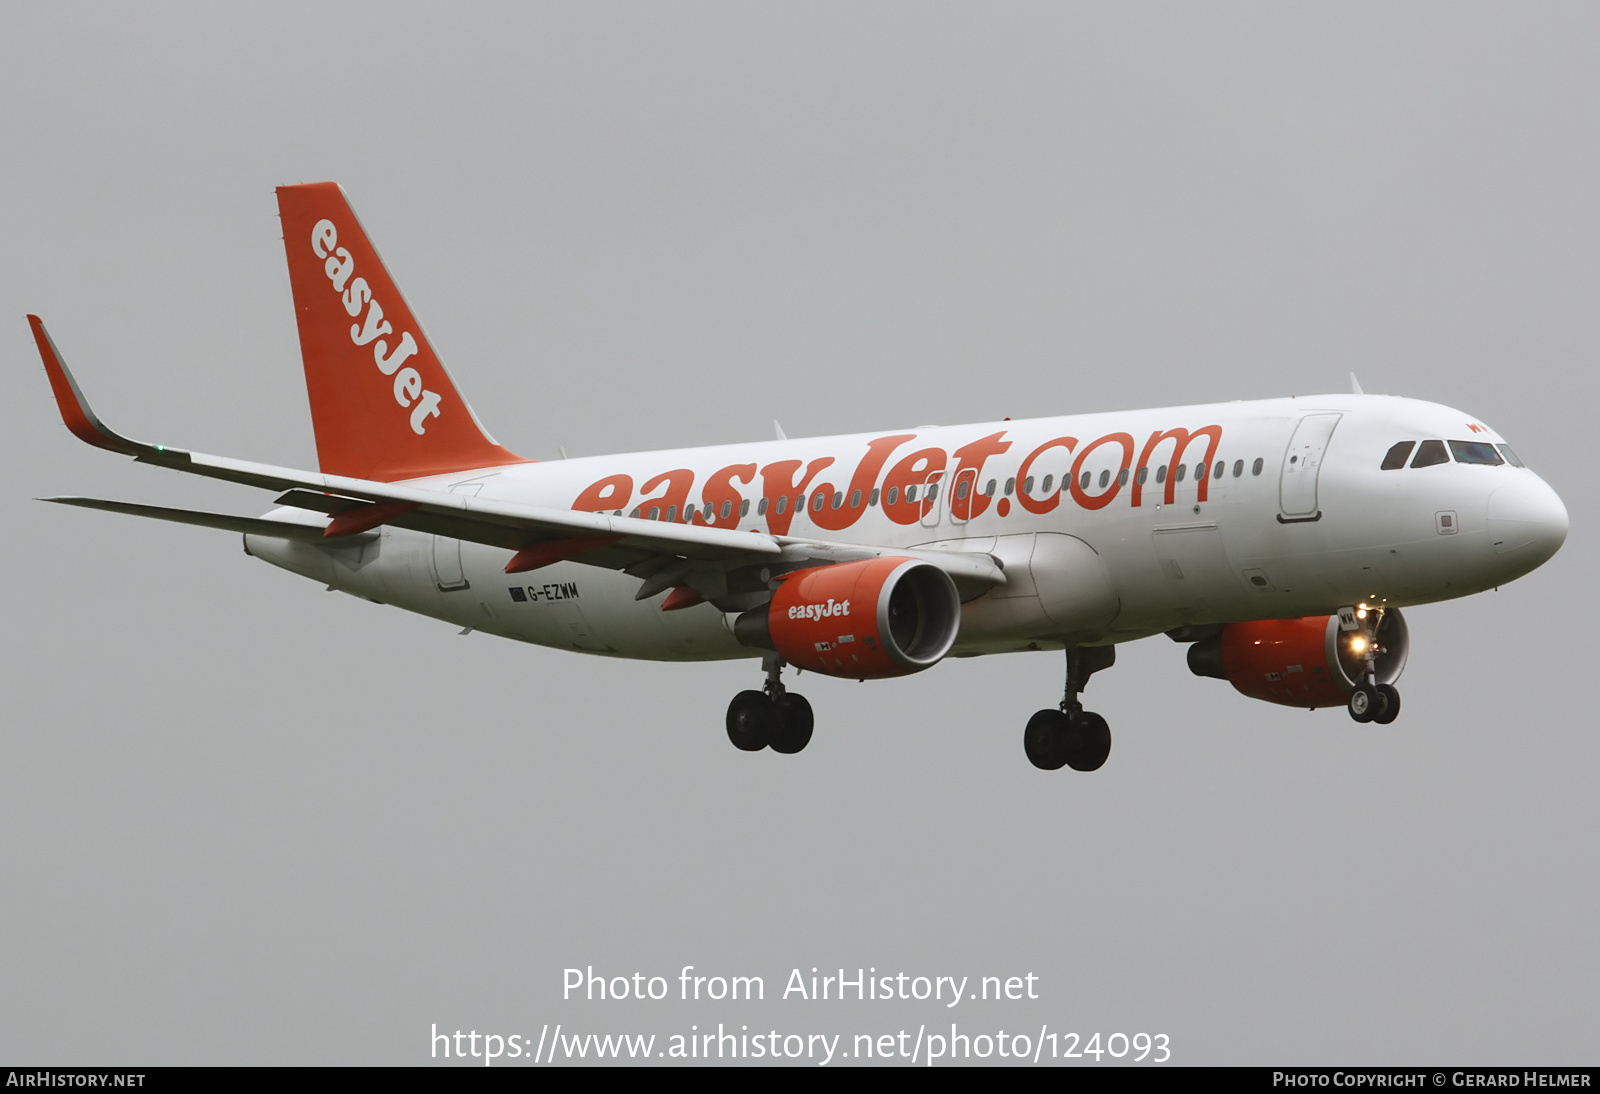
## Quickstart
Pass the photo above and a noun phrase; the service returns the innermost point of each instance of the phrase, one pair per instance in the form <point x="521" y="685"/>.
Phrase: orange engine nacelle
<point x="861" y="620"/>
<point x="1307" y="662"/>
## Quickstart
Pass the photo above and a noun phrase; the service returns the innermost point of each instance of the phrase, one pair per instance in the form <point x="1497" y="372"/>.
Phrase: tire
<point x="1391" y="711"/>
<point x="1044" y="740"/>
<point x="792" y="730"/>
<point x="1089" y="742"/>
<point x="751" y="721"/>
<point x="1363" y="703"/>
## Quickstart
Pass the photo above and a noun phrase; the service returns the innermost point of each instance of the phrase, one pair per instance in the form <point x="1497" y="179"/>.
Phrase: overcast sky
<point x="245" y="820"/>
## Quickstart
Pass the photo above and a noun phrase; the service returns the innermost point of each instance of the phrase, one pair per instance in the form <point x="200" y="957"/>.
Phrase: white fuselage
<point x="1300" y="521"/>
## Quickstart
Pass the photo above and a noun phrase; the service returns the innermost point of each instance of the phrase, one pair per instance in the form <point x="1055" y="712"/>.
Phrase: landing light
<point x="1361" y="614"/>
<point x="1358" y="645"/>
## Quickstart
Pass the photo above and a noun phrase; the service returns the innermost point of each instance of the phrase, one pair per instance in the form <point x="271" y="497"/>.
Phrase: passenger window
<point x="816" y="501"/>
<point x="1217" y="474"/>
<point x="1511" y="457"/>
<point x="933" y="491"/>
<point x="1255" y="468"/>
<point x="911" y="492"/>
<point x="761" y="507"/>
<point x="635" y="513"/>
<point x="1122" y="477"/>
<point x="838" y="499"/>
<point x="872" y="498"/>
<point x="744" y="508"/>
<point x="1027" y="485"/>
<point x="1396" y="457"/>
<point x="783" y="503"/>
<point x="988" y="490"/>
<point x="1083" y="480"/>
<point x="1182" y="470"/>
<point x="1011" y="484"/>
<point x="961" y="489"/>
<point x="1430" y="453"/>
<point x="1200" y="470"/>
<point x="727" y="509"/>
<point x="655" y="512"/>
<point x="1105" y="479"/>
<point x="1238" y="468"/>
<point x="1048" y="479"/>
<point x="1476" y="452"/>
<point x="1142" y="476"/>
<point x="892" y="496"/>
<point x="1161" y="474"/>
<point x="855" y="499"/>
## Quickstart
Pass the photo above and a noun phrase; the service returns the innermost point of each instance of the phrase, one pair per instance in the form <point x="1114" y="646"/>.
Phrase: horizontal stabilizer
<point x="254" y="526"/>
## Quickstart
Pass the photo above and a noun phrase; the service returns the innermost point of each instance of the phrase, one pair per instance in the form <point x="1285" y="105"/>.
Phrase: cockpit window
<point x="1476" y="452"/>
<point x="1396" y="457"/>
<point x="1430" y="453"/>
<point x="1511" y="457"/>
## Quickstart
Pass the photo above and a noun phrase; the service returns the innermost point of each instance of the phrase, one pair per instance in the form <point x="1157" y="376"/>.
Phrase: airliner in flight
<point x="1278" y="538"/>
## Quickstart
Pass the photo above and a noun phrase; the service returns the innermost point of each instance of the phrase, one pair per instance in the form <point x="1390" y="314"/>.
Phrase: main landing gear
<point x="1371" y="701"/>
<point x="1071" y="736"/>
<point x="772" y="717"/>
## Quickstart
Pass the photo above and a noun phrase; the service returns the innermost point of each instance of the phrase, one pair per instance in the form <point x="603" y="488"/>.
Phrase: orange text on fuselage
<point x="906" y="491"/>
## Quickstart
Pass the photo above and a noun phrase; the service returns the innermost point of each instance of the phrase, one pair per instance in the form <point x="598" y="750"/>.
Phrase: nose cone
<point x="1527" y="523"/>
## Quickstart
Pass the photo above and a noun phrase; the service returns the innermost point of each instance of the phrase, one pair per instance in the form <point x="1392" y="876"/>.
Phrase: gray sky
<point x="244" y="820"/>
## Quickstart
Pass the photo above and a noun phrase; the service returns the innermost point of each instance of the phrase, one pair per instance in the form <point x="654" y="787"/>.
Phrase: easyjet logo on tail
<point x="373" y="329"/>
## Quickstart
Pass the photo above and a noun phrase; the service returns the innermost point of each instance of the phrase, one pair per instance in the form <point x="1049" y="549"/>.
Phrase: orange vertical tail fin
<point x="382" y="405"/>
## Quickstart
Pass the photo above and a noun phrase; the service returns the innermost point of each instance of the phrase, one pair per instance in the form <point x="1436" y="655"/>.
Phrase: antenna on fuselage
<point x="1355" y="385"/>
<point x="777" y="431"/>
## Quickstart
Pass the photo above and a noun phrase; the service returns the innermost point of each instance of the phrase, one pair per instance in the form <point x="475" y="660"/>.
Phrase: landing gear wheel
<point x="1045" y="739"/>
<point x="1088" y="743"/>
<point x="792" y="730"/>
<point x="752" y="720"/>
<point x="1391" y="695"/>
<point x="1368" y="703"/>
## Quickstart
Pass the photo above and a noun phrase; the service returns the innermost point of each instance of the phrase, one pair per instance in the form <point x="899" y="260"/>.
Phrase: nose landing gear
<point x="1371" y="701"/>
<point x="772" y="717"/>
<point x="1071" y="736"/>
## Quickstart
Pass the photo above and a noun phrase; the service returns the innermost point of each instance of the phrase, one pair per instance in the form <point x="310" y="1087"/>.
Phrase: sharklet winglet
<point x="79" y="417"/>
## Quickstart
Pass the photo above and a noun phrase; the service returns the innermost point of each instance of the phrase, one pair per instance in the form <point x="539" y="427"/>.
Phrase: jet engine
<point x="1315" y="661"/>
<point x="864" y="620"/>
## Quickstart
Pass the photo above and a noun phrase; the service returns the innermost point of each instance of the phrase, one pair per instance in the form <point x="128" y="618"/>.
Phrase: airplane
<point x="1278" y="539"/>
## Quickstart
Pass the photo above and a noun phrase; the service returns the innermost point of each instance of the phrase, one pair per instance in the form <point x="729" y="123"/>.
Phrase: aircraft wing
<point x="646" y="548"/>
<point x="478" y="520"/>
